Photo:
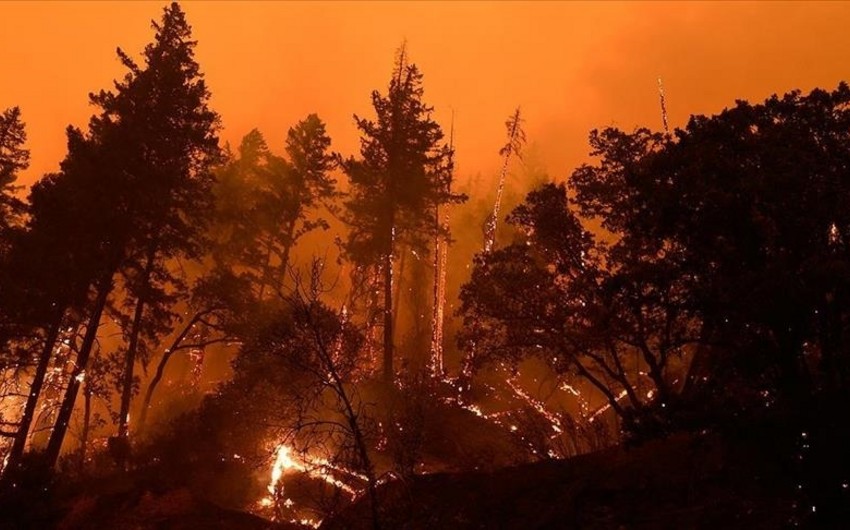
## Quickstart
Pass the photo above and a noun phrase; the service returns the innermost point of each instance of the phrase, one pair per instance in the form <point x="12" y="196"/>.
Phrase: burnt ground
<point x="681" y="482"/>
<point x="677" y="483"/>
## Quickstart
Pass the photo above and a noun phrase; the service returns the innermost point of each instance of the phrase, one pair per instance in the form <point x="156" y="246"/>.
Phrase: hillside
<point x="682" y="482"/>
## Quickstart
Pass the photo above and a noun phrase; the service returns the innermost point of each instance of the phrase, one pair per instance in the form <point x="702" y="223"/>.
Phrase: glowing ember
<point x="288" y="461"/>
<point x="283" y="462"/>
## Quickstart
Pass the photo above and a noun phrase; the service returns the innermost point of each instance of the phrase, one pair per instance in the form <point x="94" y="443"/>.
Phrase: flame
<point x="440" y="258"/>
<point x="282" y="462"/>
<point x="606" y="406"/>
<point x="663" y="101"/>
<point x="287" y="460"/>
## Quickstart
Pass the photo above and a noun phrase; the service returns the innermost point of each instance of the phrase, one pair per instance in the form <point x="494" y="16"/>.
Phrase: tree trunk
<point x="436" y="364"/>
<point x="287" y="247"/>
<point x="60" y="428"/>
<point x="21" y="436"/>
<point x="84" y="439"/>
<point x="160" y="369"/>
<point x="132" y="349"/>
<point x="398" y="281"/>
<point x="265" y="271"/>
<point x="388" y="317"/>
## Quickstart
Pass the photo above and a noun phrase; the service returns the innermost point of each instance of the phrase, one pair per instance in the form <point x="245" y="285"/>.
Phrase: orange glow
<point x="571" y="66"/>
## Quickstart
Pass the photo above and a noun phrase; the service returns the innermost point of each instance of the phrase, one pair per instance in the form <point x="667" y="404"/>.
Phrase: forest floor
<point x="684" y="481"/>
<point x="679" y="482"/>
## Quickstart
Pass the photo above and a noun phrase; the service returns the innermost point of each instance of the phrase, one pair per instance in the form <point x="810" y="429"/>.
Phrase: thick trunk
<point x="20" y="442"/>
<point x="129" y="363"/>
<point x="265" y="272"/>
<point x="60" y="428"/>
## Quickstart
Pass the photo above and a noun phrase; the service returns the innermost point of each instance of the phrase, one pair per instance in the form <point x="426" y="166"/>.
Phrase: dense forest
<point x="200" y="335"/>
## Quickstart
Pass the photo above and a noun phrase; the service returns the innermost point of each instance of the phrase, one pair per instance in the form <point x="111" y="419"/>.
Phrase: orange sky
<point x="571" y="66"/>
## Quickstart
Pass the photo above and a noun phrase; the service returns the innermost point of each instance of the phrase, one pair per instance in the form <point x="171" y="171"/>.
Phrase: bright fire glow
<point x="288" y="461"/>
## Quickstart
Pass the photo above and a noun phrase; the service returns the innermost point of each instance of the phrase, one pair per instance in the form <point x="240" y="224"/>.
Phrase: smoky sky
<point x="571" y="66"/>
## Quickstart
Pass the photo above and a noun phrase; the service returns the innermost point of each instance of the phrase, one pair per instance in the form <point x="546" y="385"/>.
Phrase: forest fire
<point x="360" y="321"/>
<point x="287" y="462"/>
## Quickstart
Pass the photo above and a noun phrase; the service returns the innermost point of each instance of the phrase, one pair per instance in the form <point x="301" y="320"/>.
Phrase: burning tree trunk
<point x="22" y="434"/>
<point x="63" y="419"/>
<point x="84" y="438"/>
<point x="663" y="102"/>
<point x="440" y="255"/>
<point x="516" y="139"/>
<point x="388" y="371"/>
<point x="399" y="279"/>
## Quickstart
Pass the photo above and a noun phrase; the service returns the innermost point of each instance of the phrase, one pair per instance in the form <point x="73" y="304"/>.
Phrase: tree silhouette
<point x="747" y="207"/>
<point x="159" y="139"/>
<point x="60" y="268"/>
<point x="397" y="183"/>
<point x="295" y="188"/>
<point x="14" y="157"/>
<point x="725" y="265"/>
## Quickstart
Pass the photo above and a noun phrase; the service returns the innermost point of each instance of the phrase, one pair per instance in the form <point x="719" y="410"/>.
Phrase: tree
<point x="221" y="309"/>
<point x="158" y="143"/>
<point x="514" y="145"/>
<point x="266" y="203"/>
<point x="401" y="177"/>
<point x="724" y="277"/>
<point x="747" y="207"/>
<point x="59" y="269"/>
<point x="293" y="190"/>
<point x="14" y="157"/>
<point x="604" y="314"/>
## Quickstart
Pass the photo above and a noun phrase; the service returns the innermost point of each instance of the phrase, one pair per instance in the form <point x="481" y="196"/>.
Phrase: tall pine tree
<point x="402" y="175"/>
<point x="159" y="145"/>
<point x="14" y="157"/>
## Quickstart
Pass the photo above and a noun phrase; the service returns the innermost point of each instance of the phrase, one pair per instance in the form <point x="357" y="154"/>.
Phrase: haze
<point x="571" y="66"/>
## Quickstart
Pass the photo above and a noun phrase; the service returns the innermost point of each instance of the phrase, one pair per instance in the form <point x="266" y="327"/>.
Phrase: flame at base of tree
<point x="289" y="461"/>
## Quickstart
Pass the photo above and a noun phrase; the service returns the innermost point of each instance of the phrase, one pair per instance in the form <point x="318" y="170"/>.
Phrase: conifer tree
<point x="396" y="184"/>
<point x="158" y="144"/>
<point x="14" y="157"/>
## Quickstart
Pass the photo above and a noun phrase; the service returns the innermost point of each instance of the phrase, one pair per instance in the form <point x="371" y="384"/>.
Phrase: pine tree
<point x="60" y="265"/>
<point x="14" y="157"/>
<point x="396" y="185"/>
<point x="294" y="189"/>
<point x="159" y="144"/>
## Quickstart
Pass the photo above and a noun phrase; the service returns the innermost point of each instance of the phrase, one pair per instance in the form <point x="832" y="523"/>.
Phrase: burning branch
<point x="663" y="102"/>
<point x="516" y="139"/>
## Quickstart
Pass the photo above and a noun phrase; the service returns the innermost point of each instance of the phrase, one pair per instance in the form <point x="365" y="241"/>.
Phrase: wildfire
<point x="606" y="406"/>
<point x="283" y="461"/>
<point x="288" y="461"/>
